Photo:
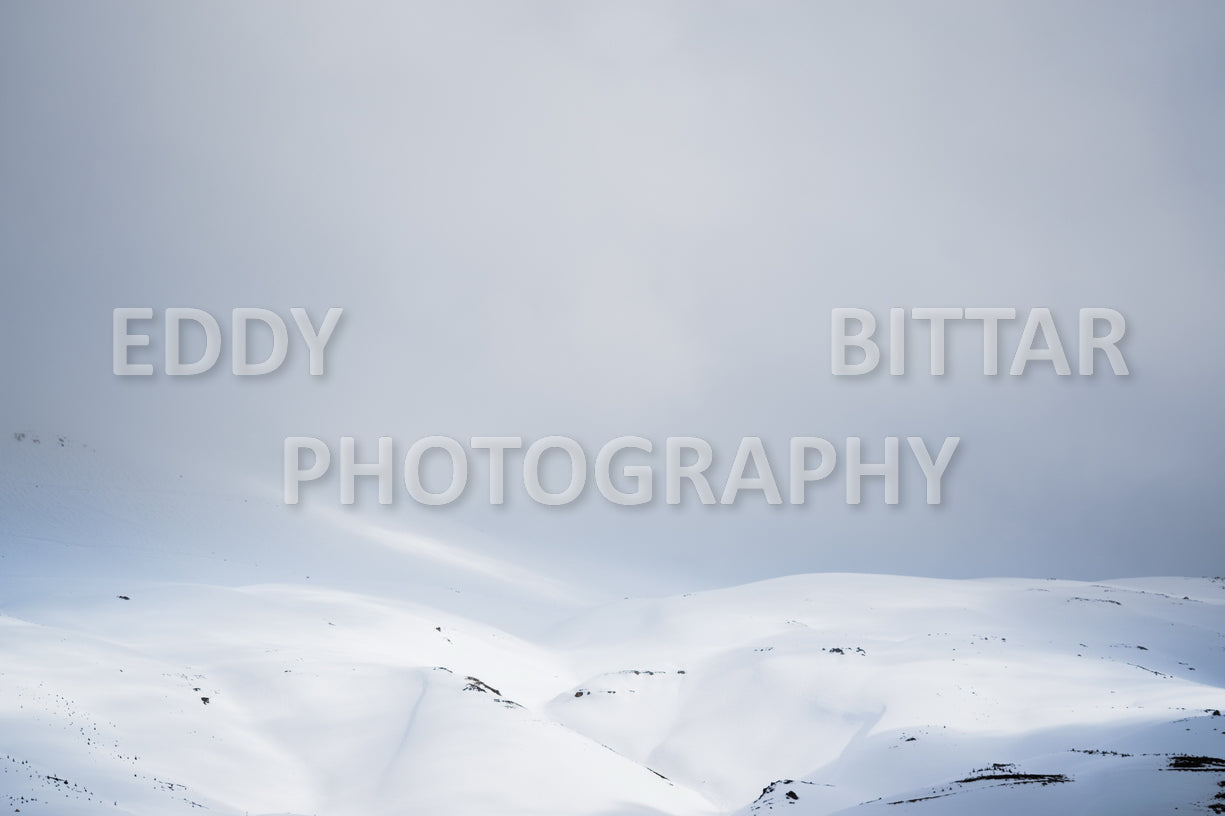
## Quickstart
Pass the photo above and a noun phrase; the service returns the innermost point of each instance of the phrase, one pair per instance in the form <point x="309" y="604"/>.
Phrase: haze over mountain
<point x="594" y="220"/>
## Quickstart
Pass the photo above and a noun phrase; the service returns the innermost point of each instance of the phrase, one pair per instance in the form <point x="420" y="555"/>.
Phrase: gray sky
<point x="606" y="219"/>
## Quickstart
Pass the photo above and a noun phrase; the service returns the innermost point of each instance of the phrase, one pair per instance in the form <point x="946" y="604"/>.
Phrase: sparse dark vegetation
<point x="1021" y="778"/>
<point x="475" y="684"/>
<point x="1186" y="762"/>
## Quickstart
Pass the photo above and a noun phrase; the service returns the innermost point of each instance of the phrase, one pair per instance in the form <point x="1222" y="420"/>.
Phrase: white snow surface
<point x="175" y="648"/>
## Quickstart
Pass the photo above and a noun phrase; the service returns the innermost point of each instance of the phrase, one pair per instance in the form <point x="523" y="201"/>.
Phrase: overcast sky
<point x="634" y="218"/>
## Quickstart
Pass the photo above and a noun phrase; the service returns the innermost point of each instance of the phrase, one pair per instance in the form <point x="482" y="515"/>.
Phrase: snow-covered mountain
<point x="170" y="647"/>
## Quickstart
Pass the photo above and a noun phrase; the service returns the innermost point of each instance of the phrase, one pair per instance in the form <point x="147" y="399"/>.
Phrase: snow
<point x="409" y="675"/>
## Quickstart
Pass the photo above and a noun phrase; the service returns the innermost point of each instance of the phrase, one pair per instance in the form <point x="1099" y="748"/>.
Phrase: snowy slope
<point x="278" y="699"/>
<point x="163" y="650"/>
<point x="884" y="683"/>
<point x="1163" y="768"/>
